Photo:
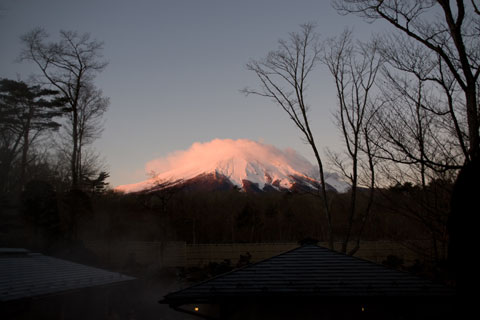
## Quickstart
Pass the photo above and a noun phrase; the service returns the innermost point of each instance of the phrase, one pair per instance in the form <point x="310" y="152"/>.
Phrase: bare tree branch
<point x="283" y="77"/>
<point x="70" y="66"/>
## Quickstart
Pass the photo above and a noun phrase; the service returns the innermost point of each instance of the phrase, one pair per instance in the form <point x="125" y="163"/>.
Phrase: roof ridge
<point x="231" y="271"/>
<point x="388" y="278"/>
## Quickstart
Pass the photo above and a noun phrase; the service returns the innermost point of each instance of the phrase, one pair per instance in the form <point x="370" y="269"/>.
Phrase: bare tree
<point x="283" y="77"/>
<point x="91" y="107"/>
<point x="454" y="40"/>
<point x="422" y="122"/>
<point x="354" y="68"/>
<point x="69" y="66"/>
<point x="434" y="68"/>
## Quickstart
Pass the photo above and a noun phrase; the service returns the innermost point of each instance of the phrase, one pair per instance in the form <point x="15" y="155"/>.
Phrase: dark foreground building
<point x="312" y="282"/>
<point x="35" y="286"/>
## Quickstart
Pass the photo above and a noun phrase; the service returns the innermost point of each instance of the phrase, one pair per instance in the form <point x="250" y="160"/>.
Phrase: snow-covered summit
<point x="237" y="160"/>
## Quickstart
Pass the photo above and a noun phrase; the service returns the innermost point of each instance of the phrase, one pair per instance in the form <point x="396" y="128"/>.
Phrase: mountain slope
<point x="243" y="163"/>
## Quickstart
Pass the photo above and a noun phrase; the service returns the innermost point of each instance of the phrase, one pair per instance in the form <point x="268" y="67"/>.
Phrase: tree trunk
<point x="353" y="200"/>
<point x="73" y="160"/>
<point x="23" y="164"/>
<point x="473" y="121"/>
<point x="324" y="196"/>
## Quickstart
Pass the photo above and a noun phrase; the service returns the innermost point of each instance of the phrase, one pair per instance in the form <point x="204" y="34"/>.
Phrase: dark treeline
<point x="398" y="213"/>
<point x="401" y="212"/>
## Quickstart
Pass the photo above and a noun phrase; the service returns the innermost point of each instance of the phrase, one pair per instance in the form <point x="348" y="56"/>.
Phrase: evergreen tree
<point x="25" y="113"/>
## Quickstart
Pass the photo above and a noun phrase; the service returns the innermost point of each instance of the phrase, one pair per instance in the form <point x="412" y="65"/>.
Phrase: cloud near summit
<point x="238" y="160"/>
<point x="206" y="154"/>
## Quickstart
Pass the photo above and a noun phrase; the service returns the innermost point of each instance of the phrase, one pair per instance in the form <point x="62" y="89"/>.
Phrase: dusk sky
<point x="176" y="69"/>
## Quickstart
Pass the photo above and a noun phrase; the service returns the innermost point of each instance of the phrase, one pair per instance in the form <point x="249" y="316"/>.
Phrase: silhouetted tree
<point x="69" y="66"/>
<point x="26" y="112"/>
<point x="460" y="226"/>
<point x="443" y="52"/>
<point x="434" y="67"/>
<point x="91" y="108"/>
<point x="283" y="77"/>
<point x="354" y="68"/>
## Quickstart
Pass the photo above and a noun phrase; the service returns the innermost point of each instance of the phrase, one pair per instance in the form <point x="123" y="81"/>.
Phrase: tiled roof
<point x="310" y="271"/>
<point x="24" y="274"/>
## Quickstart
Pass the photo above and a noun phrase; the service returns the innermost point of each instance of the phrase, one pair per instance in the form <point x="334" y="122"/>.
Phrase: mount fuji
<point x="225" y="163"/>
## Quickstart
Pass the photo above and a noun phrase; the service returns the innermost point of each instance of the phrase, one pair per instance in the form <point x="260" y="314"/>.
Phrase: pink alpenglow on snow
<point x="237" y="160"/>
